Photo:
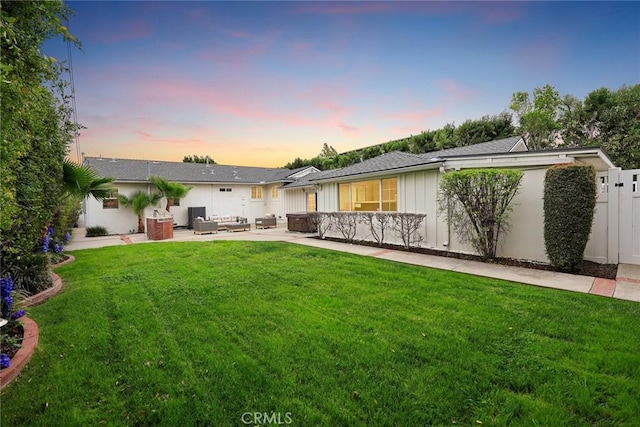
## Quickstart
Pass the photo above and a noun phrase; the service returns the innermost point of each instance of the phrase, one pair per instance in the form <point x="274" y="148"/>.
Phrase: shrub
<point x="477" y="205"/>
<point x="569" y="203"/>
<point x="97" y="230"/>
<point x="406" y="226"/>
<point x="378" y="223"/>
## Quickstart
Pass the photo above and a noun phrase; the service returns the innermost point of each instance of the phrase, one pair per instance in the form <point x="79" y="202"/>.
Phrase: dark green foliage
<point x="477" y="203"/>
<point x="569" y="203"/>
<point x="36" y="131"/>
<point x="96" y="231"/>
<point x="198" y="159"/>
<point x="470" y="132"/>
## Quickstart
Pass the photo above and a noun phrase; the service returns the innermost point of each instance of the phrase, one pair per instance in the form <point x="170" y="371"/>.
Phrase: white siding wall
<point x="417" y="193"/>
<point x="236" y="202"/>
<point x="117" y="221"/>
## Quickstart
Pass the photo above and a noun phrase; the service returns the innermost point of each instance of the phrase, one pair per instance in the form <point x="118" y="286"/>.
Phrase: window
<point x="222" y="190"/>
<point x="175" y="202"/>
<point x="256" y="192"/>
<point x="111" y="202"/>
<point x="311" y="202"/>
<point x="374" y="195"/>
<point x="274" y="192"/>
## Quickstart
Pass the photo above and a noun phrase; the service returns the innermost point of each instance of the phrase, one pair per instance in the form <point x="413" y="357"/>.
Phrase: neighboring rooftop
<point x="131" y="170"/>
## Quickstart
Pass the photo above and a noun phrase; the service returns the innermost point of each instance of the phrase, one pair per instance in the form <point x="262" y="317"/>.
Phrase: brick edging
<point x="22" y="357"/>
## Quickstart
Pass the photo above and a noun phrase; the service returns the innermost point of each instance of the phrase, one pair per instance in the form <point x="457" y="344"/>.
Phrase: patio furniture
<point x="266" y="221"/>
<point x="237" y="226"/>
<point x="200" y="226"/>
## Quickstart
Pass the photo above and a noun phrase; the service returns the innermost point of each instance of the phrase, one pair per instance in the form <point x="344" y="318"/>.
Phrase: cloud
<point x="127" y="31"/>
<point x="456" y="93"/>
<point x="496" y="13"/>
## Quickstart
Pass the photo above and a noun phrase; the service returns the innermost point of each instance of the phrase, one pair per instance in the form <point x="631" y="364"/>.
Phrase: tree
<point x="36" y="130"/>
<point x="139" y="201"/>
<point x="198" y="159"/>
<point x="82" y="181"/>
<point x="170" y="190"/>
<point x="538" y="117"/>
<point x="486" y="129"/>
<point x="477" y="203"/>
<point x="328" y="151"/>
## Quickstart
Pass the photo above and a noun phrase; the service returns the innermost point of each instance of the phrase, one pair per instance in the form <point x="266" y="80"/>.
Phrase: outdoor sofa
<point x="266" y="221"/>
<point x="200" y="226"/>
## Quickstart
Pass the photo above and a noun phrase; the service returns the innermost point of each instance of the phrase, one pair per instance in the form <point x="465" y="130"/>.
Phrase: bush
<point x="96" y="231"/>
<point x="569" y="202"/>
<point x="477" y="203"/>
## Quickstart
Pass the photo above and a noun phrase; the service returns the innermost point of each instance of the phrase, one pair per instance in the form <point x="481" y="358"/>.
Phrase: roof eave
<point x="373" y="174"/>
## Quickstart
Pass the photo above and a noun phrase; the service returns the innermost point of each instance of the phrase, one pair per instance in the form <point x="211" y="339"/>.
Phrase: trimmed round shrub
<point x="569" y="202"/>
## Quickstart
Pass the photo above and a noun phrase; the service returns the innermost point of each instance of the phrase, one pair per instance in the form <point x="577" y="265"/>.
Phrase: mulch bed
<point x="17" y="332"/>
<point x="588" y="268"/>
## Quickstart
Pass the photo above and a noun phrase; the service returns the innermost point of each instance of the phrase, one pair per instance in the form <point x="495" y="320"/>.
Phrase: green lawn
<point x="202" y="333"/>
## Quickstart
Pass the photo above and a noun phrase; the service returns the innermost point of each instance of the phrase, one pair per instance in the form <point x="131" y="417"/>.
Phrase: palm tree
<point x="170" y="190"/>
<point x="139" y="201"/>
<point x="82" y="181"/>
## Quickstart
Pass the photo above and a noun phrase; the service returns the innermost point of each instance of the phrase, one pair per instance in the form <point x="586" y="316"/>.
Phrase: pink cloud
<point x="497" y="13"/>
<point x="456" y="93"/>
<point x="414" y="115"/>
<point x="131" y="30"/>
<point x="350" y="130"/>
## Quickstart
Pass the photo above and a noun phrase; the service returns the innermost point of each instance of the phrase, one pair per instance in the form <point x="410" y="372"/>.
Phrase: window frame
<point x="256" y="192"/>
<point x="353" y="195"/>
<point x="107" y="202"/>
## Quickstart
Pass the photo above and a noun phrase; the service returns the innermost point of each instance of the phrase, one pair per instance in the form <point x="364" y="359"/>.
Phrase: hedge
<point x="569" y="202"/>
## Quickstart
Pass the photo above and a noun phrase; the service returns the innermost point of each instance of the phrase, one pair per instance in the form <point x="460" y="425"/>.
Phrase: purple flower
<point x="57" y="248"/>
<point x="50" y="231"/>
<point x="18" y="314"/>
<point x="4" y="361"/>
<point x="46" y="241"/>
<point x="8" y="301"/>
<point x="66" y="237"/>
<point x="6" y="286"/>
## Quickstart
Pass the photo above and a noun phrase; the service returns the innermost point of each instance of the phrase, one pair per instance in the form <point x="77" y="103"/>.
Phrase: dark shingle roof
<point x="399" y="160"/>
<point x="140" y="170"/>
<point x="388" y="161"/>
<point x="504" y="145"/>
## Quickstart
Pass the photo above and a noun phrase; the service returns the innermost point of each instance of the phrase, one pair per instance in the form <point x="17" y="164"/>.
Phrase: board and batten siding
<point x="418" y="193"/>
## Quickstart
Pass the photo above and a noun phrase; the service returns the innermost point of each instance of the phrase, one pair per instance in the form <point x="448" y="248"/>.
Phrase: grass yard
<point x="204" y="333"/>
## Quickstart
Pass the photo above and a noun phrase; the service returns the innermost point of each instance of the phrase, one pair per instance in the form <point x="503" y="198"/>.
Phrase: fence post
<point x="613" y="215"/>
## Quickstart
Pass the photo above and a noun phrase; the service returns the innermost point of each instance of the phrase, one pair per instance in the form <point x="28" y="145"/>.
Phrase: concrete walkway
<point x="626" y="286"/>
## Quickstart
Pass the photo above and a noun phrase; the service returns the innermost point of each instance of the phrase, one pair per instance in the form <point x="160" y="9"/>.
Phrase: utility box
<point x="160" y="228"/>
<point x="193" y="213"/>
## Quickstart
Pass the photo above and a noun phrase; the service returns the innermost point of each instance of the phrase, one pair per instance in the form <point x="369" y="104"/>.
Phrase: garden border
<point x="22" y="357"/>
<point x="30" y="329"/>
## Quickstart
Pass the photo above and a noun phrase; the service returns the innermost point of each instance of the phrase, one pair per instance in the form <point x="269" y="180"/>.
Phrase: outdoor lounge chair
<point x="200" y="225"/>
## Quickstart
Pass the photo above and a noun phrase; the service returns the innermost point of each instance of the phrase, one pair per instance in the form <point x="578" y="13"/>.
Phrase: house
<point x="404" y="182"/>
<point x="248" y="192"/>
<point x="393" y="182"/>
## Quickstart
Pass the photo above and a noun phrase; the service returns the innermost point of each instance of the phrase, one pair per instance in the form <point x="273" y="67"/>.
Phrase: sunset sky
<point x="261" y="83"/>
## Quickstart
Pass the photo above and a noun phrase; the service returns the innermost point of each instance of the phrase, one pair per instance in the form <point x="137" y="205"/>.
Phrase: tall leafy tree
<point x="36" y="131"/>
<point x="139" y="201"/>
<point x="170" y="190"/>
<point x="538" y="116"/>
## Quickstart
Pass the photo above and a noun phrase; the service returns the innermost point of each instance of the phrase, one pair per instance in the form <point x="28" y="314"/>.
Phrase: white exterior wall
<point x="418" y="192"/>
<point x="117" y="221"/>
<point x="236" y="202"/>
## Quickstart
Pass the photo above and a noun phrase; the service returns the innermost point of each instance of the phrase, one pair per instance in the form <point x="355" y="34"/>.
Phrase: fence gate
<point x="629" y="192"/>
